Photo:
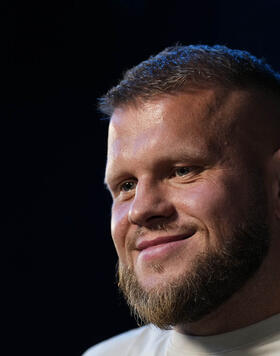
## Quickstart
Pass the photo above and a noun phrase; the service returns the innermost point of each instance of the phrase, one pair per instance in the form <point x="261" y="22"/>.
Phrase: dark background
<point x="56" y="59"/>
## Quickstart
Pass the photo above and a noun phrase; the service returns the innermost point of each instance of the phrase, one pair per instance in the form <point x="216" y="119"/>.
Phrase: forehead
<point x="179" y="105"/>
<point x="196" y="121"/>
<point x="174" y="114"/>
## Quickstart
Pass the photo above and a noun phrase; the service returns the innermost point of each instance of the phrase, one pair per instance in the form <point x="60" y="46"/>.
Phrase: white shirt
<point x="262" y="338"/>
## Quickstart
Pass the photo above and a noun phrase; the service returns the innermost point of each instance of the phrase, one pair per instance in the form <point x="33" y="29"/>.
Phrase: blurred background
<point x="57" y="58"/>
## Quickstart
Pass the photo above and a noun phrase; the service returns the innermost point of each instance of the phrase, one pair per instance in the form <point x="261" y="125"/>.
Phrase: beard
<point x="214" y="276"/>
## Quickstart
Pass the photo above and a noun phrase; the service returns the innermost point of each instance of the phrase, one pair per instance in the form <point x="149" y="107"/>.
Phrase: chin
<point x="158" y="276"/>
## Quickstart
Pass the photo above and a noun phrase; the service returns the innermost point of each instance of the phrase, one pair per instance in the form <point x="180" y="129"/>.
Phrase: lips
<point x="144" y="244"/>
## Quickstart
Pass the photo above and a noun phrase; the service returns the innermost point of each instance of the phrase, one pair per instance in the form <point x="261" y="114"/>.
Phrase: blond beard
<point x="212" y="279"/>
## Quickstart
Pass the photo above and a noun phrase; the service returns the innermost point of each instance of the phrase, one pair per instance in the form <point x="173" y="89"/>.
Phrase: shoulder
<point x="128" y="342"/>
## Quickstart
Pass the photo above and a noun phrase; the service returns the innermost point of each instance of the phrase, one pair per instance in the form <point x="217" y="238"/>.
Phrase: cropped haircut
<point x="178" y="68"/>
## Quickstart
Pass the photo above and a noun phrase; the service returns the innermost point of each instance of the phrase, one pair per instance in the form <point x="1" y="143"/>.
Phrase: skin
<point x="182" y="160"/>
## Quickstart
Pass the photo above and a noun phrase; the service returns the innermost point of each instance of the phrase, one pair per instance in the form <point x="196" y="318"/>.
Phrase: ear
<point x="275" y="180"/>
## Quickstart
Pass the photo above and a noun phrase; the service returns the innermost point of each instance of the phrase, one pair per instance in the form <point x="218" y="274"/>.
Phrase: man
<point x="194" y="172"/>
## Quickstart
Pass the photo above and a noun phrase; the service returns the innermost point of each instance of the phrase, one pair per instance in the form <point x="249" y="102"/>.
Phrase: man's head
<point x="193" y="132"/>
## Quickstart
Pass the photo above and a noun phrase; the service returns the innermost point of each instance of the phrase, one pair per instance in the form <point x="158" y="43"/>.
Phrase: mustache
<point x="156" y="227"/>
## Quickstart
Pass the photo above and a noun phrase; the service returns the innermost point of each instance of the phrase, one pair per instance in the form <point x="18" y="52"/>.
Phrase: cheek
<point x="119" y="228"/>
<point x="214" y="204"/>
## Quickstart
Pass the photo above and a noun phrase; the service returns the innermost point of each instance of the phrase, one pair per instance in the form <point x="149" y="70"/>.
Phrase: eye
<point x="127" y="186"/>
<point x="182" y="171"/>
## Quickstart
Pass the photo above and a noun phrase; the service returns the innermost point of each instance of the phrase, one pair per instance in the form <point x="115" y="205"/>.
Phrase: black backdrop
<point x="56" y="59"/>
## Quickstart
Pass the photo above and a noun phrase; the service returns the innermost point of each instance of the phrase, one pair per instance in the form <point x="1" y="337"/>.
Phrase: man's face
<point x="184" y="197"/>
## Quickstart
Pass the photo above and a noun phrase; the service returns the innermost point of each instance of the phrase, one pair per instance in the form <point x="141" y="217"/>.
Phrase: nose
<point x="150" y="205"/>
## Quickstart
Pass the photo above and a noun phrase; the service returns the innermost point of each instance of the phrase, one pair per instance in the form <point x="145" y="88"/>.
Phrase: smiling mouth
<point x="162" y="240"/>
<point x="161" y="247"/>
